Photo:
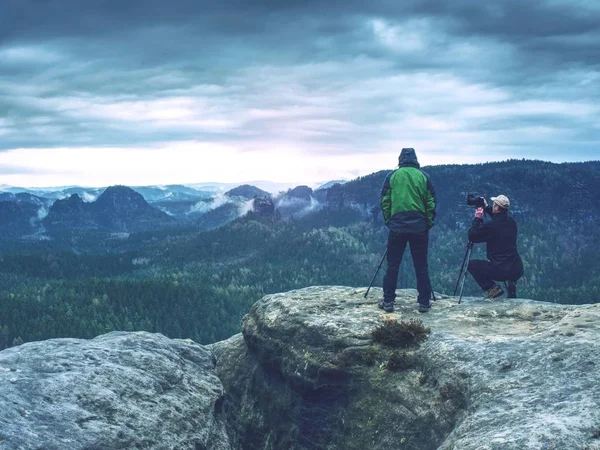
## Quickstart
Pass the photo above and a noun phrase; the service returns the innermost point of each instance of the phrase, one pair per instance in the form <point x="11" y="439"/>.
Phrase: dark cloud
<point x="343" y="73"/>
<point x="513" y="19"/>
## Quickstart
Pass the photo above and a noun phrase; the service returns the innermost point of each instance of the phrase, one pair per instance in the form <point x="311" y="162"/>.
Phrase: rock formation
<point x="308" y="372"/>
<point x="264" y="207"/>
<point x="300" y="192"/>
<point x="118" y="391"/>
<point x="512" y="374"/>
<point x="296" y="202"/>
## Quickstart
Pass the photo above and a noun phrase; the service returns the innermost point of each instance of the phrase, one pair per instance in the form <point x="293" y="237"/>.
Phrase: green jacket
<point x="408" y="197"/>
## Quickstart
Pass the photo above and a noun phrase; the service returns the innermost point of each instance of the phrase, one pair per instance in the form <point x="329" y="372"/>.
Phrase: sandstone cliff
<point x="510" y="374"/>
<point x="306" y="373"/>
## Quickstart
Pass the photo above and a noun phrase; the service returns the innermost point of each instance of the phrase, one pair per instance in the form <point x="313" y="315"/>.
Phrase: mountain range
<point x="120" y="263"/>
<point x="537" y="189"/>
<point x="119" y="209"/>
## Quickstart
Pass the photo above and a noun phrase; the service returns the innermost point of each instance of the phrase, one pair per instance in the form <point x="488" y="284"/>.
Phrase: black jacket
<point x="500" y="234"/>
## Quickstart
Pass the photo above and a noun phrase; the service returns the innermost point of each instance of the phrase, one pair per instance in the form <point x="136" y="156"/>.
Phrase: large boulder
<point x="118" y="391"/>
<point x="306" y="373"/>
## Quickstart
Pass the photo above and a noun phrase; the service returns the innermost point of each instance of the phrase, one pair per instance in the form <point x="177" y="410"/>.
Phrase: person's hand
<point x="479" y="213"/>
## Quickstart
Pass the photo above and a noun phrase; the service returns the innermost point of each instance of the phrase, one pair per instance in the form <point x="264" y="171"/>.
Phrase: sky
<point x="140" y="92"/>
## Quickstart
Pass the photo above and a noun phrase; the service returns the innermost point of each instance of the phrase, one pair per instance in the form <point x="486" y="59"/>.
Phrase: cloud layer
<point x="460" y="81"/>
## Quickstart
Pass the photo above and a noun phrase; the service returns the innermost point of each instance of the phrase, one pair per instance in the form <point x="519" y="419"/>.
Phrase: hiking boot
<point x="494" y="292"/>
<point x="423" y="308"/>
<point x="432" y="298"/>
<point x="386" y="306"/>
<point x="511" y="289"/>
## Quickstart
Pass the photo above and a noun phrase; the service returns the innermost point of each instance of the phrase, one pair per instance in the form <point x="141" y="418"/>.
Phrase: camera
<point x="476" y="201"/>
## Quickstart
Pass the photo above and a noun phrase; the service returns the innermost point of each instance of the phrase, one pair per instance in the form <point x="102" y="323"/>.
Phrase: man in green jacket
<point x="408" y="205"/>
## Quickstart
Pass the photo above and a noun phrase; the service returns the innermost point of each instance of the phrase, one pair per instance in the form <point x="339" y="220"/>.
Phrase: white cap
<point x="502" y="201"/>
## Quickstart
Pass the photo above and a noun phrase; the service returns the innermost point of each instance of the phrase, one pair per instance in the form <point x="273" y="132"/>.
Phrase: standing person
<point x="500" y="235"/>
<point x="408" y="205"/>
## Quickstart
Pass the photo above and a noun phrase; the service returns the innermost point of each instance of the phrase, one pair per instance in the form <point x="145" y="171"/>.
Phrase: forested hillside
<point x="185" y="282"/>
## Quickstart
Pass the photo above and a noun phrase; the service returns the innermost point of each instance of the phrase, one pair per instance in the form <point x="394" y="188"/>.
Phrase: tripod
<point x="377" y="271"/>
<point x="462" y="275"/>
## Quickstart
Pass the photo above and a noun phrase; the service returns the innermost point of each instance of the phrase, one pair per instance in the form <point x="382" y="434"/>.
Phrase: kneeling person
<point x="500" y="235"/>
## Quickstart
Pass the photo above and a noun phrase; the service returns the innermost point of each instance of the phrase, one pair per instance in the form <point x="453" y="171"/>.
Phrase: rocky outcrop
<point x="264" y="207"/>
<point x="300" y="192"/>
<point x="306" y="373"/>
<point x="296" y="202"/>
<point x="71" y="213"/>
<point x="335" y="197"/>
<point x="118" y="391"/>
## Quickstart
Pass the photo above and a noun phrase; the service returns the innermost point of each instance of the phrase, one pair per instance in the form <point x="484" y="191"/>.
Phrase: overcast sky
<point x="154" y="91"/>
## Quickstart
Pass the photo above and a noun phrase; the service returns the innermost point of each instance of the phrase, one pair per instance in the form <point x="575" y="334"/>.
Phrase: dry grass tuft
<point x="401" y="333"/>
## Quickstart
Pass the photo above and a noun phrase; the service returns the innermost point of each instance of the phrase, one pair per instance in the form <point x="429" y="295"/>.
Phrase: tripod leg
<point x="464" y="273"/>
<point x="463" y="268"/>
<point x="376" y="272"/>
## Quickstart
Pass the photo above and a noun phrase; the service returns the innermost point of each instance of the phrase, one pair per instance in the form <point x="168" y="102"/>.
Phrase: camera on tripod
<point x="476" y="200"/>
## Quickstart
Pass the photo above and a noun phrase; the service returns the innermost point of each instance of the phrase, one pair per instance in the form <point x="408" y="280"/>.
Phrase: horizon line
<point x="251" y="182"/>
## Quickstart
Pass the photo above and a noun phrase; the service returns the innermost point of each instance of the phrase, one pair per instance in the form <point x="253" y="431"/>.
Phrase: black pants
<point x="485" y="273"/>
<point x="418" y="250"/>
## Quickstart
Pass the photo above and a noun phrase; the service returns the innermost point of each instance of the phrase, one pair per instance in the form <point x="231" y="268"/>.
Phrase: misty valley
<point x="189" y="261"/>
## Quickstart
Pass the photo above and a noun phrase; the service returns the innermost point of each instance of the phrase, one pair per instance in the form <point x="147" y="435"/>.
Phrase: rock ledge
<point x="510" y="374"/>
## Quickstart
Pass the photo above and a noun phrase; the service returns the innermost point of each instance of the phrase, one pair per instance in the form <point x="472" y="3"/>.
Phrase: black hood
<point x="408" y="157"/>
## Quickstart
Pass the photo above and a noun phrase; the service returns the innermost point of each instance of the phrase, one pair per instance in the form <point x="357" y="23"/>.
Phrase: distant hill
<point x="18" y="219"/>
<point x="268" y="186"/>
<point x="171" y="193"/>
<point x="248" y="192"/>
<point x="537" y="189"/>
<point x="331" y="183"/>
<point x="300" y="192"/>
<point x="117" y="209"/>
<point x="297" y="202"/>
<point x="219" y="216"/>
<point x="24" y="197"/>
